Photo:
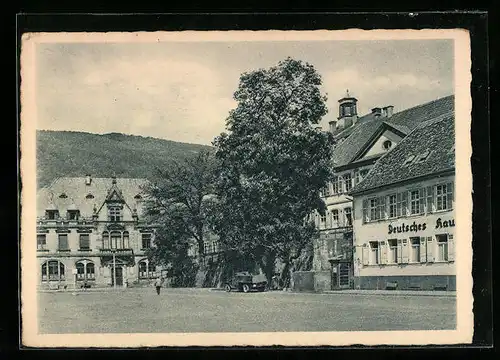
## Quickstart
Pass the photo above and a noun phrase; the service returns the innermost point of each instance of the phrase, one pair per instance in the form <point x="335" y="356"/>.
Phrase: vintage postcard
<point x="295" y="188"/>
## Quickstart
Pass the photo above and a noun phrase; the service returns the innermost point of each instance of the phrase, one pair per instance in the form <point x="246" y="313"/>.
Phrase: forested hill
<point x="67" y="153"/>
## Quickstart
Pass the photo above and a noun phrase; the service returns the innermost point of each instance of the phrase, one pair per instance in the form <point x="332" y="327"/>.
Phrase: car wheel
<point x="246" y="288"/>
<point x="228" y="288"/>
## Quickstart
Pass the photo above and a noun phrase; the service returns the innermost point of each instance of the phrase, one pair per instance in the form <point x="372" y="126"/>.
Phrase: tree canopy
<point x="273" y="161"/>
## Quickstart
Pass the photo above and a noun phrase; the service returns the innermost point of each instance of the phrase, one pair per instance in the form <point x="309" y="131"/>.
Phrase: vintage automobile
<point x="246" y="282"/>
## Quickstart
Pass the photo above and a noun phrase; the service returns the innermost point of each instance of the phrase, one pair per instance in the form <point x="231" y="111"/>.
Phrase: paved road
<point x="201" y="310"/>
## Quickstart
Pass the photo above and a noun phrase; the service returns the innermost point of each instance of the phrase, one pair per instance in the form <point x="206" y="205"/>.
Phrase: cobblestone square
<point x="201" y="310"/>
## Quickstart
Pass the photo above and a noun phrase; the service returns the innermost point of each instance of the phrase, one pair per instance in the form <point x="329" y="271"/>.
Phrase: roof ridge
<point x="423" y="104"/>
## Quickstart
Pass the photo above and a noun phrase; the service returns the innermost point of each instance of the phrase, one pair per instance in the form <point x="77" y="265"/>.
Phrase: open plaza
<point x="141" y="310"/>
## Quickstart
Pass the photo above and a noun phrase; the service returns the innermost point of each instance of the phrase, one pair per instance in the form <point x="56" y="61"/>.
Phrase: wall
<point x="407" y="273"/>
<point x="377" y="147"/>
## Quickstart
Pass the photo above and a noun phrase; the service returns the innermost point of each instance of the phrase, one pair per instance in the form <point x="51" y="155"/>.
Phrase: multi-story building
<point x="404" y="214"/>
<point x="360" y="143"/>
<point x="91" y="230"/>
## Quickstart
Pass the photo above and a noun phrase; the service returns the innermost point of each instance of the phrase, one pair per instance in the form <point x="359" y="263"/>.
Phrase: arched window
<point x="147" y="270"/>
<point x="80" y="271"/>
<point x="126" y="242"/>
<point x="85" y="270"/>
<point x="53" y="270"/>
<point x="90" y="271"/>
<point x="105" y="240"/>
<point x="143" y="269"/>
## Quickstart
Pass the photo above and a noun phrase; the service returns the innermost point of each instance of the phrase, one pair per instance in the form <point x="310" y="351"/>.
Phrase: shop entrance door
<point x="341" y="275"/>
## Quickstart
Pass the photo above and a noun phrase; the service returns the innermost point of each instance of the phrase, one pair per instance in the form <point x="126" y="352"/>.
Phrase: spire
<point x="114" y="177"/>
<point x="347" y="93"/>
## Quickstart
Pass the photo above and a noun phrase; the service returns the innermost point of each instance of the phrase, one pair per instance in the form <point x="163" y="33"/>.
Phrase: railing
<point x="116" y="251"/>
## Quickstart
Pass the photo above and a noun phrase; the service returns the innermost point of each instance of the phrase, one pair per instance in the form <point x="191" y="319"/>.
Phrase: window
<point x="116" y="240"/>
<point x="326" y="190"/>
<point x="415" y="249"/>
<point x="146" y="270"/>
<point x="85" y="270"/>
<point x="84" y="242"/>
<point x="374" y="254"/>
<point x="416" y="202"/>
<point x="335" y="218"/>
<point x="387" y="144"/>
<point x="409" y="159"/>
<point x="89" y="196"/>
<point x="52" y="214"/>
<point x="146" y="241"/>
<point x="41" y="241"/>
<point x="393" y="251"/>
<point x="322" y="219"/>
<point x="444" y="196"/>
<point x="348" y="182"/>
<point x="63" y="196"/>
<point x="63" y="242"/>
<point x="393" y="206"/>
<point x="114" y="213"/>
<point x="348" y="216"/>
<point x="73" y="214"/>
<point x="442" y="244"/>
<point x="126" y="240"/>
<point x="105" y="240"/>
<point x="52" y="270"/>
<point x="322" y="192"/>
<point x="335" y="185"/>
<point x="423" y="156"/>
<point x="340" y="180"/>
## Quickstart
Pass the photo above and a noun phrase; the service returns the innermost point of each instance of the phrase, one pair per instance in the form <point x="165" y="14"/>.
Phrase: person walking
<point x="158" y="284"/>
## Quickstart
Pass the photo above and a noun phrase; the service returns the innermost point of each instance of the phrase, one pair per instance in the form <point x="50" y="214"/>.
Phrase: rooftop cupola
<point x="348" y="112"/>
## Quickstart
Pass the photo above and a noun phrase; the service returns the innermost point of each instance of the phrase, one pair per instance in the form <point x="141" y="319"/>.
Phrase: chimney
<point x="377" y="111"/>
<point x="389" y="110"/>
<point x="88" y="179"/>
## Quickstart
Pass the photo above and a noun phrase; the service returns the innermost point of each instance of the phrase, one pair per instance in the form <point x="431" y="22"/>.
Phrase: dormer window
<point x="63" y="196"/>
<point x="114" y="213"/>
<point x="387" y="144"/>
<point x="409" y="159"/>
<point x="423" y="156"/>
<point x="52" y="214"/>
<point x="138" y="197"/>
<point x="89" y="196"/>
<point x="73" y="214"/>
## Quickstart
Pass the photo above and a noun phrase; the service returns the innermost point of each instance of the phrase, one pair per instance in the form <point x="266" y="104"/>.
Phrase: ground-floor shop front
<point x="59" y="272"/>
<point x="416" y="253"/>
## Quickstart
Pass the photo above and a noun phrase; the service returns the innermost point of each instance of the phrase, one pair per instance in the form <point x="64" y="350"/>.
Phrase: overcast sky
<point x="182" y="91"/>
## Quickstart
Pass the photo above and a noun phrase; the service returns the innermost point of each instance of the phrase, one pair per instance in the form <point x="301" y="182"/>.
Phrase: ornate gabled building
<point x="360" y="143"/>
<point x="92" y="231"/>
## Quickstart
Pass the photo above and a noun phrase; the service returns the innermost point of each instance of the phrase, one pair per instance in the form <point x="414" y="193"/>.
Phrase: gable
<point x="380" y="145"/>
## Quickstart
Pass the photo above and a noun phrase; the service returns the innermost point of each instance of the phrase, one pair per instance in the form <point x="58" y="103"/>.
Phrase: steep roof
<point x="435" y="137"/>
<point x="78" y="195"/>
<point x="404" y="121"/>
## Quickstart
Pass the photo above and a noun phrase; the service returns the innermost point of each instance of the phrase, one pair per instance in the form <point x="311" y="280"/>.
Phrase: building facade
<point x="360" y="143"/>
<point x="404" y="214"/>
<point x="90" y="231"/>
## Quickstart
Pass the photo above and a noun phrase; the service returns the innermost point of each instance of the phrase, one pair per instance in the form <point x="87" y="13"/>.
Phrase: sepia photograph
<point x="296" y="188"/>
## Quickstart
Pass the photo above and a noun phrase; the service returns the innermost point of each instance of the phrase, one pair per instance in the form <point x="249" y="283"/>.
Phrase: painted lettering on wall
<point x="444" y="223"/>
<point x="407" y="228"/>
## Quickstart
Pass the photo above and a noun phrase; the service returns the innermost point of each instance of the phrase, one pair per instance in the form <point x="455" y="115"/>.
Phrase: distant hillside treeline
<point x="67" y="153"/>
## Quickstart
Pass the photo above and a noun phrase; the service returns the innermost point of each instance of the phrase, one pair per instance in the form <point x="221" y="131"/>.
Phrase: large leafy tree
<point x="273" y="161"/>
<point x="179" y="200"/>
